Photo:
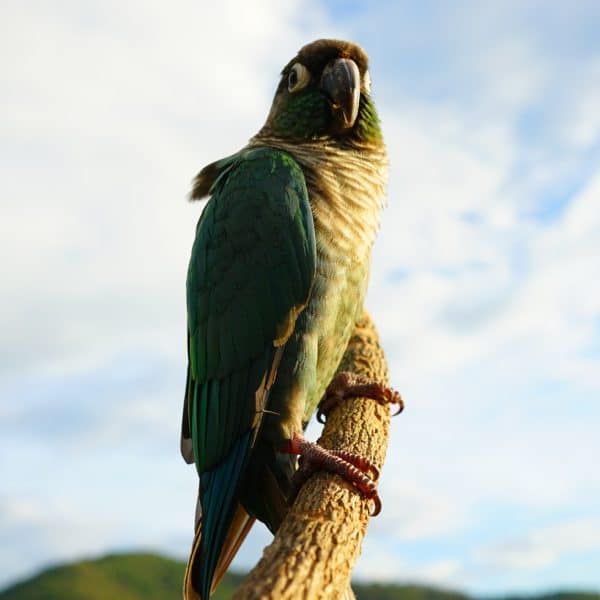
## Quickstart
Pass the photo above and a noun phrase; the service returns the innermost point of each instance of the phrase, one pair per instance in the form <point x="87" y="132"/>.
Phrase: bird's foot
<point x="350" y="385"/>
<point x="355" y="469"/>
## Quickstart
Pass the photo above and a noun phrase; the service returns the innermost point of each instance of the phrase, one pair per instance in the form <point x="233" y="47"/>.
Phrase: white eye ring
<point x="367" y="82"/>
<point x="298" y="77"/>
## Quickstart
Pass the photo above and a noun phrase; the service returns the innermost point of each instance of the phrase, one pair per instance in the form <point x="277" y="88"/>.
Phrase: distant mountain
<point x="151" y="577"/>
<point x="113" y="577"/>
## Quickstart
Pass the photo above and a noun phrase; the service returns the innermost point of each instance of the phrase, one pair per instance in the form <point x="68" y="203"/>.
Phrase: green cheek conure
<point x="276" y="282"/>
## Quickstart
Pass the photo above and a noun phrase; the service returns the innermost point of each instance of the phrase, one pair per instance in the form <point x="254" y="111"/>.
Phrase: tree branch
<point x="314" y="551"/>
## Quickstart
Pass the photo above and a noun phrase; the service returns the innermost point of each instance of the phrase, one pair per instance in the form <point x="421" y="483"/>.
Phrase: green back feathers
<point x="249" y="275"/>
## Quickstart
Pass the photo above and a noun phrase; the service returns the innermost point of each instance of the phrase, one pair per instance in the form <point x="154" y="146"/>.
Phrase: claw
<point x="377" y="505"/>
<point x="360" y="462"/>
<point x="350" y="385"/>
<point x="355" y="469"/>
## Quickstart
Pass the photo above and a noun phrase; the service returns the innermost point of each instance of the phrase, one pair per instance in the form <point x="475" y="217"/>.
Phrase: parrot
<point x="276" y="282"/>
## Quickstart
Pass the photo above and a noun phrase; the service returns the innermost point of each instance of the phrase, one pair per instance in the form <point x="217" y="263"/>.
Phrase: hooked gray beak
<point x="341" y="83"/>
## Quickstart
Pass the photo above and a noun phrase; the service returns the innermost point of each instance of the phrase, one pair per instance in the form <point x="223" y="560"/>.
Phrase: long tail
<point x="240" y="527"/>
<point x="221" y="525"/>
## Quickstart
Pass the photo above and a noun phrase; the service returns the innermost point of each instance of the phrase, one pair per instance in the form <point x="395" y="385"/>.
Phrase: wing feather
<point x="250" y="275"/>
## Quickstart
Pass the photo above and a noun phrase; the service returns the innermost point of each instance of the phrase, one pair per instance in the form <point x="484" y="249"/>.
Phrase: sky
<point x="485" y="280"/>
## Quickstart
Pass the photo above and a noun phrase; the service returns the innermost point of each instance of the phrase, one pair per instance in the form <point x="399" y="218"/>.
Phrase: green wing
<point x="250" y="275"/>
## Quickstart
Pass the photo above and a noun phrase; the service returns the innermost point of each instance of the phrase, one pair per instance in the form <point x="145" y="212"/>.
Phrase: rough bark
<point x="314" y="551"/>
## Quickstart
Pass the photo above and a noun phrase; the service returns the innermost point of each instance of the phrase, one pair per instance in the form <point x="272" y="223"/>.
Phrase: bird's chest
<point x="343" y="257"/>
<point x="337" y="300"/>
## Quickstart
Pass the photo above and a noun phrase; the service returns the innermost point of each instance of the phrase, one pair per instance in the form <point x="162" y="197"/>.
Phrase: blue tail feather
<point x="219" y="493"/>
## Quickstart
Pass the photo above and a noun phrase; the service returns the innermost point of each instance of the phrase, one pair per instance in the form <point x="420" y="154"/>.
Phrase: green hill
<point x="121" y="576"/>
<point x="151" y="577"/>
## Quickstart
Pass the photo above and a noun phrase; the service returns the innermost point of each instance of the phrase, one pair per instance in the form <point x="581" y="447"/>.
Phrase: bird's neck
<point x="346" y="185"/>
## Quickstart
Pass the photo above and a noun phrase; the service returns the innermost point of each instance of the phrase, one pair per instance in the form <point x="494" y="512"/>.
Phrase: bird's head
<point x="324" y="92"/>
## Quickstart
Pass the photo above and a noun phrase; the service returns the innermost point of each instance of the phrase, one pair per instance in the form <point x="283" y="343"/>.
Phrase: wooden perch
<point x="314" y="550"/>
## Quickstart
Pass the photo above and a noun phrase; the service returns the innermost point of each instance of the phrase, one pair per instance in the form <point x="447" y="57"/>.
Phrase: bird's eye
<point x="298" y="77"/>
<point x="367" y="82"/>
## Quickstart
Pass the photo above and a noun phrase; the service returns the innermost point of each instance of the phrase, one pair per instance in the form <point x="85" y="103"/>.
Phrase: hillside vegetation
<point x="151" y="577"/>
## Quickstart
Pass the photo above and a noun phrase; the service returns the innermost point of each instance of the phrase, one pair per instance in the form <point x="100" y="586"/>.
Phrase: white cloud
<point x="472" y="284"/>
<point x="440" y="572"/>
<point x="412" y="512"/>
<point x="485" y="314"/>
<point x="544" y="547"/>
<point x="380" y="562"/>
<point x="110" y="111"/>
<point x="113" y="108"/>
<point x="34" y="531"/>
<point x="582" y="125"/>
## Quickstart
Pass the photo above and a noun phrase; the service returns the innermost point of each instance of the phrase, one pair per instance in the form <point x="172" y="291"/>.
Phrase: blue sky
<point x="485" y="280"/>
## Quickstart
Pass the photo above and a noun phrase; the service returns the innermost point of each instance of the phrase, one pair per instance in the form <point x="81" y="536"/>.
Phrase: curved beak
<point x="341" y="83"/>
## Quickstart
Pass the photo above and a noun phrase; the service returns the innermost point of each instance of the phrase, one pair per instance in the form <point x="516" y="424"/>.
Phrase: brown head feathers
<point x="317" y="54"/>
